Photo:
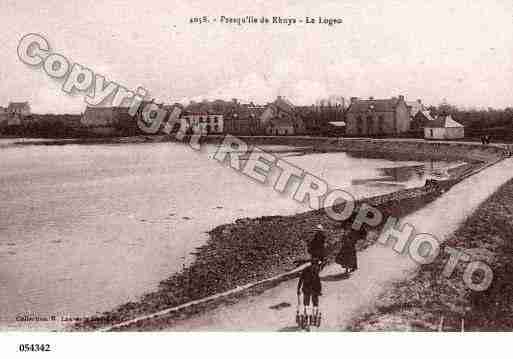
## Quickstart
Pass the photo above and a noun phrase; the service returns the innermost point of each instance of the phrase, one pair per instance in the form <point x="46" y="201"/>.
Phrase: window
<point x="381" y="124"/>
<point x="359" y="125"/>
<point x="370" y="125"/>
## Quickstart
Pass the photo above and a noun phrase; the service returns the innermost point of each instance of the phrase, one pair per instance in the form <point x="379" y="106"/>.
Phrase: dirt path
<point x="379" y="266"/>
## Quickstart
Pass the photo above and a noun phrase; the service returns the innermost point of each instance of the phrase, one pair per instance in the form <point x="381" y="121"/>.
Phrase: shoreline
<point x="431" y="302"/>
<point x="277" y="244"/>
<point x="403" y="148"/>
<point x="228" y="260"/>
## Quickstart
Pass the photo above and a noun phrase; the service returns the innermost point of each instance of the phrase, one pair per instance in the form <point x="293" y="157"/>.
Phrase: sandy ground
<point x="379" y="266"/>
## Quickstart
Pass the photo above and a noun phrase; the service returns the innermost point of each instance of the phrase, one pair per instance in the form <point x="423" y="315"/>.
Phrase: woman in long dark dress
<point x="347" y="256"/>
<point x="316" y="247"/>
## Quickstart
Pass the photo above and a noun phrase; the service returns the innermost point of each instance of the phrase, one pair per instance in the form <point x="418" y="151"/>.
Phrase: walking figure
<point x="316" y="247"/>
<point x="346" y="257"/>
<point x="310" y="286"/>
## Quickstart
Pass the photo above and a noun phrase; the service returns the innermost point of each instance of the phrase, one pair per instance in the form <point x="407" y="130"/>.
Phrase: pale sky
<point x="459" y="50"/>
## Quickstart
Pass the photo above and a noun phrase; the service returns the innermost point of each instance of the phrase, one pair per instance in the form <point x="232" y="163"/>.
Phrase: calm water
<point x="86" y="228"/>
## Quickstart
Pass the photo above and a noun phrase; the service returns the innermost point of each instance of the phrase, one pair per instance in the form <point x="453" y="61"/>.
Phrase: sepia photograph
<point x="295" y="168"/>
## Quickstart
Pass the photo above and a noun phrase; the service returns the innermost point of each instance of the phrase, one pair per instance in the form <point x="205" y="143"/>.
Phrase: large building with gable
<point x="377" y="117"/>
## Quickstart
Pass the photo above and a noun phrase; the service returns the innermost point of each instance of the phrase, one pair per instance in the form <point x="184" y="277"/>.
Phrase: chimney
<point x="401" y="98"/>
<point x="354" y="99"/>
<point x="371" y="97"/>
<point x="419" y="101"/>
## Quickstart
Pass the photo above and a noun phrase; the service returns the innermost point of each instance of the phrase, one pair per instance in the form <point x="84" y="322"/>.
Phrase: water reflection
<point x="407" y="173"/>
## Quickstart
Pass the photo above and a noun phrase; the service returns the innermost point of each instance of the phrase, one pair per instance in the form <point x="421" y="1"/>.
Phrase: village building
<point x="245" y="120"/>
<point x="282" y="118"/>
<point x="237" y="125"/>
<point x="108" y="121"/>
<point x="203" y="123"/>
<point x="420" y="120"/>
<point x="374" y="117"/>
<point x="19" y="108"/>
<point x="280" y="127"/>
<point x="414" y="107"/>
<point x="443" y="128"/>
<point x="17" y="112"/>
<point x="221" y="116"/>
<point x="335" y="128"/>
<point x="317" y="118"/>
<point x="4" y="117"/>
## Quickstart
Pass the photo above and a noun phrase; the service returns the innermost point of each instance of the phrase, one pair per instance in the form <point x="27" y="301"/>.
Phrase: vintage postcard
<point x="255" y="166"/>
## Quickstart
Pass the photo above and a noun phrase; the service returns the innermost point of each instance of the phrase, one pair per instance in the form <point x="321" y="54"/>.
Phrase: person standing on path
<point x="316" y="247"/>
<point x="310" y="284"/>
<point x="347" y="257"/>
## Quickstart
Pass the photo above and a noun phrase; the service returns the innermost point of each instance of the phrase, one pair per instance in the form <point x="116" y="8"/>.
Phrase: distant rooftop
<point x="443" y="122"/>
<point x="18" y="105"/>
<point x="378" y="105"/>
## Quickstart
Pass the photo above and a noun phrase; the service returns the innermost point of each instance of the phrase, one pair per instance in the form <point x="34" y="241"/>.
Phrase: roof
<point x="120" y="109"/>
<point x="18" y="105"/>
<point x="247" y="112"/>
<point x="443" y="122"/>
<point x="426" y="114"/>
<point x="380" y="105"/>
<point x="414" y="107"/>
<point x="284" y="104"/>
<point x="337" y="123"/>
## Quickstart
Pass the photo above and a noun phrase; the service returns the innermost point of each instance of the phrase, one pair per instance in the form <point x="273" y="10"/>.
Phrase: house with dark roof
<point x="414" y="107"/>
<point x="203" y="122"/>
<point x="280" y="126"/>
<point x="420" y="120"/>
<point x="282" y="118"/>
<point x="17" y="112"/>
<point x="108" y="120"/>
<point x="4" y="117"/>
<point x="19" y="108"/>
<point x="335" y="128"/>
<point x="443" y="128"/>
<point x="377" y="117"/>
<point x="244" y="120"/>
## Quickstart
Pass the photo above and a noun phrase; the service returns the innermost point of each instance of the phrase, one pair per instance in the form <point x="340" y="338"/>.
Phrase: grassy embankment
<point x="250" y="250"/>
<point x="247" y="251"/>
<point x="421" y="303"/>
<point x="253" y="249"/>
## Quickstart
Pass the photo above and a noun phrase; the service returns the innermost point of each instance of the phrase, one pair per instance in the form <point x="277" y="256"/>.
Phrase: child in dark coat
<point x="310" y="284"/>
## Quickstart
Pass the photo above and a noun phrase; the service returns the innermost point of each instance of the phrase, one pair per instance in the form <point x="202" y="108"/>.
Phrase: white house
<point x="17" y="112"/>
<point x="204" y="123"/>
<point x="443" y="128"/>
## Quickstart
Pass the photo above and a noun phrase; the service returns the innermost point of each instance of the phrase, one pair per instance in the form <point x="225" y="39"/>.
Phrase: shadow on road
<point x="335" y="277"/>
<point x="280" y="306"/>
